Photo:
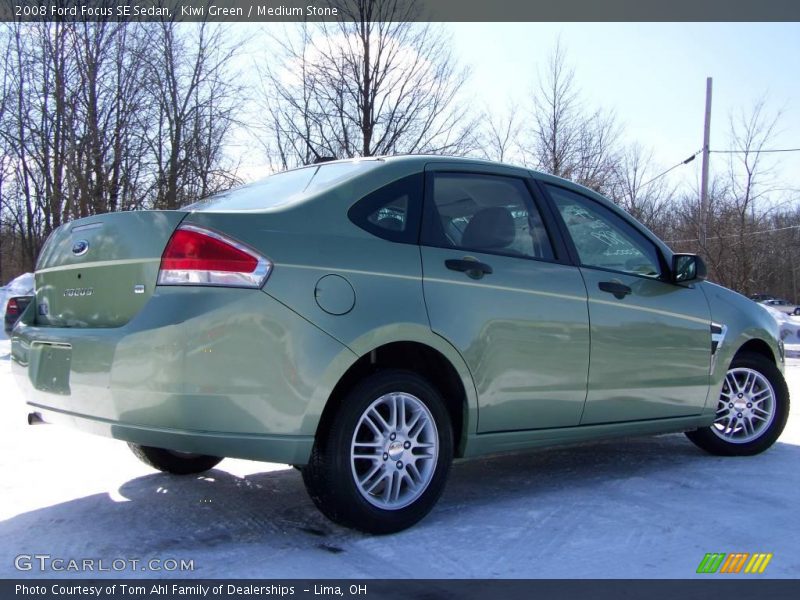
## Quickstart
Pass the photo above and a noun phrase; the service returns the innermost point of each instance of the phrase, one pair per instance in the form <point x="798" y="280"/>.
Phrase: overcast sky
<point x="652" y="75"/>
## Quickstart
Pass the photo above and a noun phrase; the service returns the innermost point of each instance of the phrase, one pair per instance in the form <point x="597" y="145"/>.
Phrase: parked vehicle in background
<point x="15" y="306"/>
<point x="760" y="297"/>
<point x="789" y="330"/>
<point x="782" y="305"/>
<point x="19" y="286"/>
<point x="21" y="290"/>
<point x="369" y="320"/>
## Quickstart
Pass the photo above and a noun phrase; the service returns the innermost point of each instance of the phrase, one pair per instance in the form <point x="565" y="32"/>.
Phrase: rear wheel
<point x="751" y="411"/>
<point x="383" y="463"/>
<point x="172" y="461"/>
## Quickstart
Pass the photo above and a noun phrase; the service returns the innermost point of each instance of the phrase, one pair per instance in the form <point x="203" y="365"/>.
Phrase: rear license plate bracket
<point x="50" y="367"/>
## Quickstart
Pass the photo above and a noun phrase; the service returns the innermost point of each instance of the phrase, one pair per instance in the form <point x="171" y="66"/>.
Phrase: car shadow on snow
<point x="160" y="515"/>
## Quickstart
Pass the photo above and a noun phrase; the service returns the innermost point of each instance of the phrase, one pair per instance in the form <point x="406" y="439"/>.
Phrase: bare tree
<point x="192" y="90"/>
<point x="371" y="83"/>
<point x="500" y="139"/>
<point x="35" y="131"/>
<point x="638" y="190"/>
<point x="566" y="139"/>
<point x="102" y="116"/>
<point x="5" y="101"/>
<point x="750" y="181"/>
<point x="776" y="272"/>
<point x="108" y="152"/>
<point x="746" y="219"/>
<point x="751" y="177"/>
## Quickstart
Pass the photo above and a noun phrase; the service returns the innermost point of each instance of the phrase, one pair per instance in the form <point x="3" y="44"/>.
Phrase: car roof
<point x="422" y="160"/>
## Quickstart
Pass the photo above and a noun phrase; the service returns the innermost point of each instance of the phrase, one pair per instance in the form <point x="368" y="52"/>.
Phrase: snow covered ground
<point x="647" y="507"/>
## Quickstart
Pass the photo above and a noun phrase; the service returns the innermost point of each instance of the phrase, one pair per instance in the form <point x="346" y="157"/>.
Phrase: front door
<point x="651" y="339"/>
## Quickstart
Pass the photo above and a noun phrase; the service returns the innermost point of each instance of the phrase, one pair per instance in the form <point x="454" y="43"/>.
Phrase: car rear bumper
<point x="225" y="372"/>
<point x="290" y="449"/>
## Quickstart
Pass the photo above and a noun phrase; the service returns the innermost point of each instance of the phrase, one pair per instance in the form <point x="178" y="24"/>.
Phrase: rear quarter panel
<point x="316" y="239"/>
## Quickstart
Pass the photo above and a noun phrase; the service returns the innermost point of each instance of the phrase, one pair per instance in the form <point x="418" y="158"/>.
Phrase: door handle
<point x="472" y="268"/>
<point x="619" y="290"/>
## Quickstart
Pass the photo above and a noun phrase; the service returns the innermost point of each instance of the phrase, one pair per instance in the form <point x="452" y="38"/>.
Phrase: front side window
<point x="485" y="213"/>
<point x="602" y="239"/>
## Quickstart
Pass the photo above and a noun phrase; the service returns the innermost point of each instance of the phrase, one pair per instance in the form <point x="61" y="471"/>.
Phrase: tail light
<point x="12" y="308"/>
<point x="197" y="256"/>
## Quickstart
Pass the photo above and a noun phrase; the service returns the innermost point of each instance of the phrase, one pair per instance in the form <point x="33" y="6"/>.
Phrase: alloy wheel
<point x="746" y="406"/>
<point x="394" y="451"/>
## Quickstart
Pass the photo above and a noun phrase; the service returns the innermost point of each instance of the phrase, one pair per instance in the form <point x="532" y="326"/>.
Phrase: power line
<point x="755" y="151"/>
<point x="693" y="156"/>
<point x="720" y="237"/>
<point x="683" y="162"/>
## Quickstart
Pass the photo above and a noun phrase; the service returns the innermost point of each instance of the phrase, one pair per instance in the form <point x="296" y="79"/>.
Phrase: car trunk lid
<point x="100" y="271"/>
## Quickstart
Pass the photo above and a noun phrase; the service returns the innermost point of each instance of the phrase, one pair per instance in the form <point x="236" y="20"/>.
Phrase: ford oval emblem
<point x="80" y="247"/>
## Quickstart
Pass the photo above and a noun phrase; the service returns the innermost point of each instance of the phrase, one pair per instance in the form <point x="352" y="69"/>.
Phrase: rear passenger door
<point x="498" y="287"/>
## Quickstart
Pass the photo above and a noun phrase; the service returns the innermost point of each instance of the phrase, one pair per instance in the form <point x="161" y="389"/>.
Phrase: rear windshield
<point x="284" y="188"/>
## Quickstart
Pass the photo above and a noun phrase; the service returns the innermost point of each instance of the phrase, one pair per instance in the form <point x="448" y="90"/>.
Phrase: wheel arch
<point x="756" y="346"/>
<point x="450" y="378"/>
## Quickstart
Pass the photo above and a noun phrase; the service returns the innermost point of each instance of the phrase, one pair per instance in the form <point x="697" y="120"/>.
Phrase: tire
<point x="172" y="461"/>
<point x="371" y="487"/>
<point x="751" y="412"/>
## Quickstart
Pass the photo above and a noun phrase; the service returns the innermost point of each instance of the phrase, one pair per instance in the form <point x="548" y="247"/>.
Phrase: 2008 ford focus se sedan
<point x="370" y="320"/>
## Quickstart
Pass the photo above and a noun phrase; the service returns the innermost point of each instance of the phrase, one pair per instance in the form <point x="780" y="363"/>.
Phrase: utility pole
<point x="704" y="180"/>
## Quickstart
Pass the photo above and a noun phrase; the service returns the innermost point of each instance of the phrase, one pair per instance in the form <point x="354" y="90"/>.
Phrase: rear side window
<point x="284" y="188"/>
<point x="485" y="213"/>
<point x="393" y="211"/>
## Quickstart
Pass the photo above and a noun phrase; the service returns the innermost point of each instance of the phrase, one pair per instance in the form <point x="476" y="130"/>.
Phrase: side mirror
<point x="687" y="268"/>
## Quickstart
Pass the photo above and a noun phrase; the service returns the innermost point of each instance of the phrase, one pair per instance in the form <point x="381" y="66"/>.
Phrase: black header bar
<point x="712" y="586"/>
<point x="422" y="10"/>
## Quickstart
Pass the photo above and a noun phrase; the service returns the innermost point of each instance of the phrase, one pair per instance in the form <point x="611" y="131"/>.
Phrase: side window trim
<point x="561" y="227"/>
<point x="533" y="201"/>
<point x="570" y="244"/>
<point x="363" y="207"/>
<point x="552" y="226"/>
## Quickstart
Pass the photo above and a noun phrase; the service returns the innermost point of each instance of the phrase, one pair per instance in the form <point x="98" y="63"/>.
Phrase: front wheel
<point x="172" y="461"/>
<point x="751" y="411"/>
<point x="383" y="463"/>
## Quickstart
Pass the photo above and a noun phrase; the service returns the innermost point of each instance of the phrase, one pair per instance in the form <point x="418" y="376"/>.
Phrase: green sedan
<point x="370" y="320"/>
